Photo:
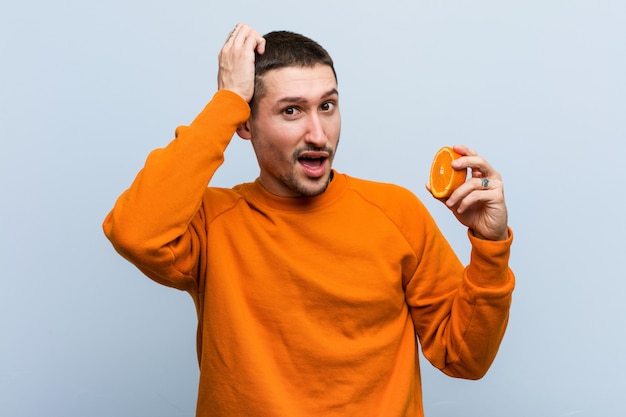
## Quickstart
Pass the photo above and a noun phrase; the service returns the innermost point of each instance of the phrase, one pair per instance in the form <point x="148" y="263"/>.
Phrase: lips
<point x="313" y="163"/>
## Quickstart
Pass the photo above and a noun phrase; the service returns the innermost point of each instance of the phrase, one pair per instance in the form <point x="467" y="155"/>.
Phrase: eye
<point x="327" y="106"/>
<point x="290" y="111"/>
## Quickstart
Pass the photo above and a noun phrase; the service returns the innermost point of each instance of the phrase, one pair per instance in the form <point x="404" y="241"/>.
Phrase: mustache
<point x="326" y="149"/>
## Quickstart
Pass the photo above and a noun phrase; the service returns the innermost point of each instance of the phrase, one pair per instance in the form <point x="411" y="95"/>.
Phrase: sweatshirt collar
<point x="256" y="194"/>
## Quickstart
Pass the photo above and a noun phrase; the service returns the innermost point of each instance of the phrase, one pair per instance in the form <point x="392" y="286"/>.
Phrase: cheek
<point x="271" y="152"/>
<point x="278" y="133"/>
<point x="333" y="130"/>
<point x="284" y="140"/>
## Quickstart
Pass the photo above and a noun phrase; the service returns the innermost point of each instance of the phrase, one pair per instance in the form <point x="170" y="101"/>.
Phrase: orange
<point x="443" y="178"/>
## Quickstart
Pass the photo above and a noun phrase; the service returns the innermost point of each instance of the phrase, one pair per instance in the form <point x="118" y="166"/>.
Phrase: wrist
<point x="504" y="235"/>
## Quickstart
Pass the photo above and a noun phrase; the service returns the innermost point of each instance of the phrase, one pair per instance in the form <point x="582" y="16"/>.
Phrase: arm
<point x="156" y="223"/>
<point x="462" y="322"/>
<point x="460" y="314"/>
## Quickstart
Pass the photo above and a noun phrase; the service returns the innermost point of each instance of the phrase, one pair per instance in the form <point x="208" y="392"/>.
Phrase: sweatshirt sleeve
<point x="461" y="313"/>
<point x="156" y="224"/>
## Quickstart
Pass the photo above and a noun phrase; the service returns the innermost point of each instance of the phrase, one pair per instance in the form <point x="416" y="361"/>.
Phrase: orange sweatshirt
<point x="308" y="306"/>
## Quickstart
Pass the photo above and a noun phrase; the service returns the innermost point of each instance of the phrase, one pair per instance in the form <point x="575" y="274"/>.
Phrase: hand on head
<point x="236" y="61"/>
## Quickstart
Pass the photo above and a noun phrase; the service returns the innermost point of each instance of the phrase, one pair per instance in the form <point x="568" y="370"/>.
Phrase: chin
<point x="312" y="187"/>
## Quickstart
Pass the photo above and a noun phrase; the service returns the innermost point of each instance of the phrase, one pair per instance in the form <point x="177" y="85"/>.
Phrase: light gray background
<point x="88" y="88"/>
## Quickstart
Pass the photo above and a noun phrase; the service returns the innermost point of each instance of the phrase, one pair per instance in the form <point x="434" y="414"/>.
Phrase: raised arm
<point x="470" y="319"/>
<point x="158" y="223"/>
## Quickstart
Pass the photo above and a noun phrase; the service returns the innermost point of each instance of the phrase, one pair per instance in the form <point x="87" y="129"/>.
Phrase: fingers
<point x="236" y="60"/>
<point x="485" y="184"/>
<point x="470" y="159"/>
<point x="479" y="202"/>
<point x="230" y="35"/>
<point x="464" y="150"/>
<point x="475" y="190"/>
<point x="243" y="35"/>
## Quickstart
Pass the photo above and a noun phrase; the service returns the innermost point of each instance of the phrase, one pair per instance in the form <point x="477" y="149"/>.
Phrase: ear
<point x="243" y="131"/>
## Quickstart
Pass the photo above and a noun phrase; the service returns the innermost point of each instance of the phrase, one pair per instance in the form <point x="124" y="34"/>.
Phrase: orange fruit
<point x="443" y="178"/>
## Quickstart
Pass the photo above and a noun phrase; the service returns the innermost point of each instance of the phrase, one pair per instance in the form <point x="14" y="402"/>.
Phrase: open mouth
<point x="313" y="163"/>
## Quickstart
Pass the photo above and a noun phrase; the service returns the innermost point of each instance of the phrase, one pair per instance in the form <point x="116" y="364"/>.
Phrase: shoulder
<point x="396" y="202"/>
<point x="384" y="195"/>
<point x="217" y="201"/>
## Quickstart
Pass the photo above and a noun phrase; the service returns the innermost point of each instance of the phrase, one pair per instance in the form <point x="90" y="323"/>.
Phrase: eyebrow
<point x="299" y="99"/>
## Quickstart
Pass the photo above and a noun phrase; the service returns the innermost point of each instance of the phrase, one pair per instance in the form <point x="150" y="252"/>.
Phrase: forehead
<point x="305" y="82"/>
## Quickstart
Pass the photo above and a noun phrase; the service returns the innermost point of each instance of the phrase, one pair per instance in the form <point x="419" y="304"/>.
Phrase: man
<point x="310" y="285"/>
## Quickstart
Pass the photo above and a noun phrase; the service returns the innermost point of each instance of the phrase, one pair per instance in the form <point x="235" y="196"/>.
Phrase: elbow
<point x="472" y="371"/>
<point x="126" y="241"/>
<point x="472" y="364"/>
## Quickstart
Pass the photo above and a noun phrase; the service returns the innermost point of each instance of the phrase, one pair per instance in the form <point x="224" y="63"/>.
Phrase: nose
<point x="315" y="134"/>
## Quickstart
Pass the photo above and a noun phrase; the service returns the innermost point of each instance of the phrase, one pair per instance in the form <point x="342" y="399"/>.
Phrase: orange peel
<point x="443" y="178"/>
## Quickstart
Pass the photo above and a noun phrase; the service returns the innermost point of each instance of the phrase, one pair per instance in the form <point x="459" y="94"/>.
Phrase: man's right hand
<point x="236" y="61"/>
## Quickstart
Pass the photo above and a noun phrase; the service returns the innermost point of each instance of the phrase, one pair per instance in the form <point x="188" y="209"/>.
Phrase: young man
<point x="311" y="286"/>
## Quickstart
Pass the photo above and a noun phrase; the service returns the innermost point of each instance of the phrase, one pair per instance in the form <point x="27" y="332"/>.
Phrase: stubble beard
<point x="309" y="187"/>
<point x="299" y="187"/>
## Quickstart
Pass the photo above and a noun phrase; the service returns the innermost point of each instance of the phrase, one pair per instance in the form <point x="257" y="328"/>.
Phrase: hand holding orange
<point x="443" y="178"/>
